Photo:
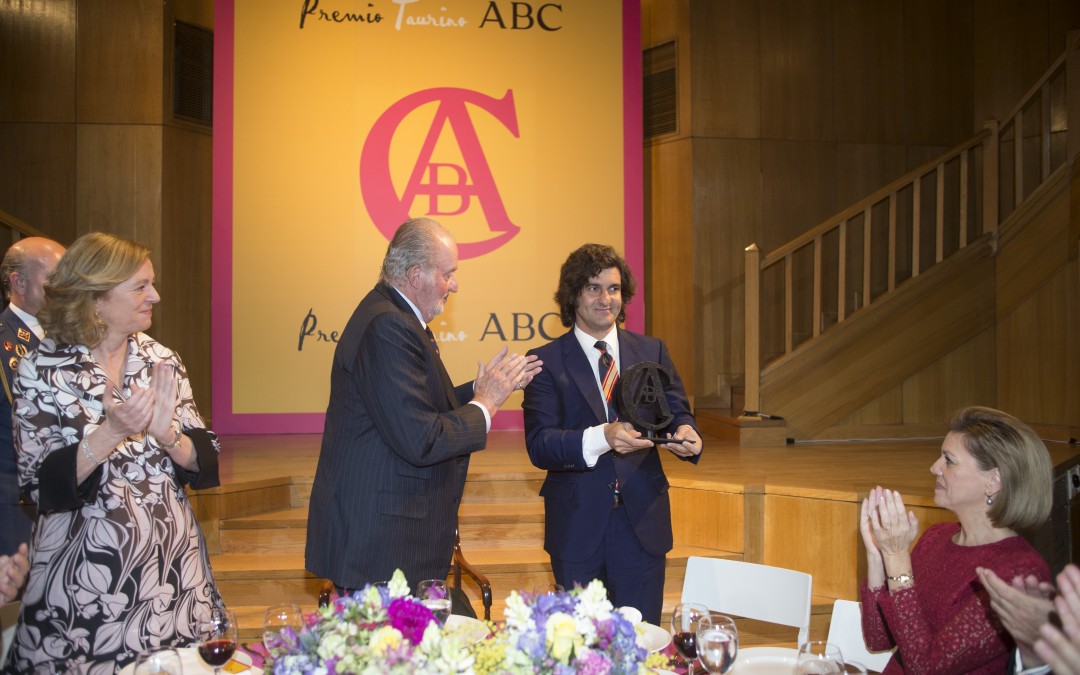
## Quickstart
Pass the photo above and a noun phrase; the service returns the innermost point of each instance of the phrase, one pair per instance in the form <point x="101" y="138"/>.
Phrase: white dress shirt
<point x="593" y="441"/>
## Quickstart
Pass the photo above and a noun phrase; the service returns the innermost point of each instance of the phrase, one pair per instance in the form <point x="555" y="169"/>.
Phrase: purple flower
<point x="410" y="618"/>
<point x="593" y="663"/>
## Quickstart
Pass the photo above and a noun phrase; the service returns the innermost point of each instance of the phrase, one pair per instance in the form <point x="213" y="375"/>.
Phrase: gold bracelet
<point x="175" y="440"/>
<point x="905" y="578"/>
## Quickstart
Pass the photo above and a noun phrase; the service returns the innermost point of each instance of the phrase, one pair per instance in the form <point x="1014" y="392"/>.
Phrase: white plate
<point x="192" y="664"/>
<point x="766" y="661"/>
<point x="470" y="629"/>
<point x="652" y="638"/>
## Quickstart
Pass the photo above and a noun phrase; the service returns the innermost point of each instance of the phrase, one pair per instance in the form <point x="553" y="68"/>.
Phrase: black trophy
<point x="642" y="401"/>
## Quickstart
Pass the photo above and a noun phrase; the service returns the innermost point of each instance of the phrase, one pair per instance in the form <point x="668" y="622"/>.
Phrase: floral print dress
<point x="118" y="564"/>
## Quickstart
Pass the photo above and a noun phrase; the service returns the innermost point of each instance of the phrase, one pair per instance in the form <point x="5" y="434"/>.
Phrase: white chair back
<point x="9" y="617"/>
<point x="759" y="592"/>
<point x="845" y="631"/>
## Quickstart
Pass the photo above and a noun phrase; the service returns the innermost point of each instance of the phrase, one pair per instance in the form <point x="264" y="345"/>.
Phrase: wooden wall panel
<point x="815" y="536"/>
<point x="1012" y="50"/>
<point x="37" y="176"/>
<point x="37" y="50"/>
<point x="198" y="12"/>
<point x="669" y="240"/>
<point x="797" y="188"/>
<point x="1033" y="356"/>
<point x="862" y="168"/>
<point x="885" y="409"/>
<point x="118" y="179"/>
<point x="727" y="217"/>
<point x="1034" y="250"/>
<point x="707" y="518"/>
<point x="869" y="58"/>
<point x="798" y="80"/>
<point x="663" y="21"/>
<point x="184" y="278"/>
<point x="964" y="377"/>
<point x="120" y="61"/>
<point x="938" y="86"/>
<point x="726" y="63"/>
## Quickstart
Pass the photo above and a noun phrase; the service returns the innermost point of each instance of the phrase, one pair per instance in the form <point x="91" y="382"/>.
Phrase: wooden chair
<point x="459" y="565"/>
<point x="749" y="590"/>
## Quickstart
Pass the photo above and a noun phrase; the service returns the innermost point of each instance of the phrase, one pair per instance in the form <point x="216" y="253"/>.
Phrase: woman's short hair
<point x="999" y="440"/>
<point x="582" y="265"/>
<point x="92" y="266"/>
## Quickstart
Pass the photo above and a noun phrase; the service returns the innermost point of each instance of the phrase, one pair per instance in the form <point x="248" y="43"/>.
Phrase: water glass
<point x="164" y="662"/>
<point x="717" y="643"/>
<point x="435" y="595"/>
<point x="818" y="657"/>
<point x="278" y="618"/>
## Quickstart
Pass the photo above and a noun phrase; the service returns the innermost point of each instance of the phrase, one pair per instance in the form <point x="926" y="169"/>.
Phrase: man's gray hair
<point x="415" y="243"/>
<point x="15" y="260"/>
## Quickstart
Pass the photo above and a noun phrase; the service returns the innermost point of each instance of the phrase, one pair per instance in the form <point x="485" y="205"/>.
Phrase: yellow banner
<point x="505" y="121"/>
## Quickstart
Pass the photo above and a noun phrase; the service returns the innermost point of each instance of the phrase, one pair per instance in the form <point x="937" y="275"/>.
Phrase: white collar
<point x="588" y="342"/>
<point x="29" y="319"/>
<point x="415" y="309"/>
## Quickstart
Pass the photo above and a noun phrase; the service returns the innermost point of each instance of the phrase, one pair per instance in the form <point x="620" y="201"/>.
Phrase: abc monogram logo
<point x="449" y="189"/>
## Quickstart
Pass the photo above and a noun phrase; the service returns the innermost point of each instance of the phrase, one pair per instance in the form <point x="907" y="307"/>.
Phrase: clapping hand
<point x="13" y="571"/>
<point x="893" y="528"/>
<point x="166" y="396"/>
<point x="1060" y="649"/>
<point x="504" y="373"/>
<point x="1023" y="607"/>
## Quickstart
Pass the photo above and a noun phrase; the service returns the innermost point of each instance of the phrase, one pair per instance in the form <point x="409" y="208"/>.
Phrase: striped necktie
<point x="609" y="377"/>
<point x="431" y="336"/>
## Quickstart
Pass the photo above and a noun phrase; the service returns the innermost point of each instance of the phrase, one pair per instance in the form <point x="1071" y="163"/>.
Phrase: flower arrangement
<point x="380" y="629"/>
<point x="385" y="630"/>
<point x="563" y="633"/>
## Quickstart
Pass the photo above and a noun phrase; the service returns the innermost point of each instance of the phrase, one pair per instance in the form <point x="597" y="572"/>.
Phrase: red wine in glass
<point x="218" y="637"/>
<point x="217" y="653"/>
<point x="686" y="645"/>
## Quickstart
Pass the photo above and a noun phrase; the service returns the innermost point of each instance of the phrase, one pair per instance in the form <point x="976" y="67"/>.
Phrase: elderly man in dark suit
<point x="24" y="271"/>
<point x="398" y="433"/>
<point x="606" y="508"/>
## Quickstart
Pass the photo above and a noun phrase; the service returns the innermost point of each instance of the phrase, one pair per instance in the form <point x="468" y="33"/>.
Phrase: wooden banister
<point x="966" y="223"/>
<point x="12" y="223"/>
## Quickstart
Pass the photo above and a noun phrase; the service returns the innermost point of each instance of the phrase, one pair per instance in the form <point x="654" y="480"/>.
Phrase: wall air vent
<point x="659" y="93"/>
<point x="193" y="73"/>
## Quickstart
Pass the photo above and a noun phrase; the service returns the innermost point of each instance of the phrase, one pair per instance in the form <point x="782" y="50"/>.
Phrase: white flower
<point x="593" y="602"/>
<point x="518" y="614"/>
<point x="399" y="586"/>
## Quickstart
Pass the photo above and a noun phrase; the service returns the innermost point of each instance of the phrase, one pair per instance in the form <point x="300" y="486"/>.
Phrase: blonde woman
<point x="107" y="437"/>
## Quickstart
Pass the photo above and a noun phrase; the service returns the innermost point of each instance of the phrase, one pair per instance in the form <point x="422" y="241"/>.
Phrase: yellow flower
<point x="385" y="638"/>
<point x="563" y="638"/>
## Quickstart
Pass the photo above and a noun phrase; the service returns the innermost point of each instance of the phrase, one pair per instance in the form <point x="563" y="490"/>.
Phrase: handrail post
<point x="752" y="330"/>
<point x="991" y="172"/>
<point x="1072" y="87"/>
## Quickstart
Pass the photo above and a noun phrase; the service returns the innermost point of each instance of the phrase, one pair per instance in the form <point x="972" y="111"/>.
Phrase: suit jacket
<point x="395" y="452"/>
<point x="15" y="341"/>
<point x="560" y="403"/>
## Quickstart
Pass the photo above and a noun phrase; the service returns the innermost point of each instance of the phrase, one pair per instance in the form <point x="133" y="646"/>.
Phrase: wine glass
<point x="218" y="636"/>
<point x="818" y="657"/>
<point x="164" y="662"/>
<point x="434" y="594"/>
<point x="277" y="619"/>
<point x="684" y="623"/>
<point x="717" y="643"/>
<point x="854" y="668"/>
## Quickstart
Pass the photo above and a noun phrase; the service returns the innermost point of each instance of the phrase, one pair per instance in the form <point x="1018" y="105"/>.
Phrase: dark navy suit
<point x="15" y="340"/>
<point x="561" y="402"/>
<point x="395" y="452"/>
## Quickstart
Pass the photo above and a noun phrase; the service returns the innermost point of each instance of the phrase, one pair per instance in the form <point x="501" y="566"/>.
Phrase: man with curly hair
<point x="607" y="513"/>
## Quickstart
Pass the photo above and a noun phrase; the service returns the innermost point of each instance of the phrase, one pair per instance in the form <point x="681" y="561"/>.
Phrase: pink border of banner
<point x="227" y="422"/>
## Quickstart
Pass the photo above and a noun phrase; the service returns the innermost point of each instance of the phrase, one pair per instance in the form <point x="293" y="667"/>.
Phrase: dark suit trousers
<point x="633" y="577"/>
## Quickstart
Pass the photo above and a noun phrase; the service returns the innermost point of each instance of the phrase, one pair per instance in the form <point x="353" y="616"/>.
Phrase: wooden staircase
<point x="258" y="551"/>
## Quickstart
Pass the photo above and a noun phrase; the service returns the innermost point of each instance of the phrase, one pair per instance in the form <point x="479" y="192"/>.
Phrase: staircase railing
<point x="819" y="279"/>
<point x="13" y="229"/>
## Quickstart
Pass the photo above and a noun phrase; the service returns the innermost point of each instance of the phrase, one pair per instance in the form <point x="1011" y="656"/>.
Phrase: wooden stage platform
<point x="793" y="506"/>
